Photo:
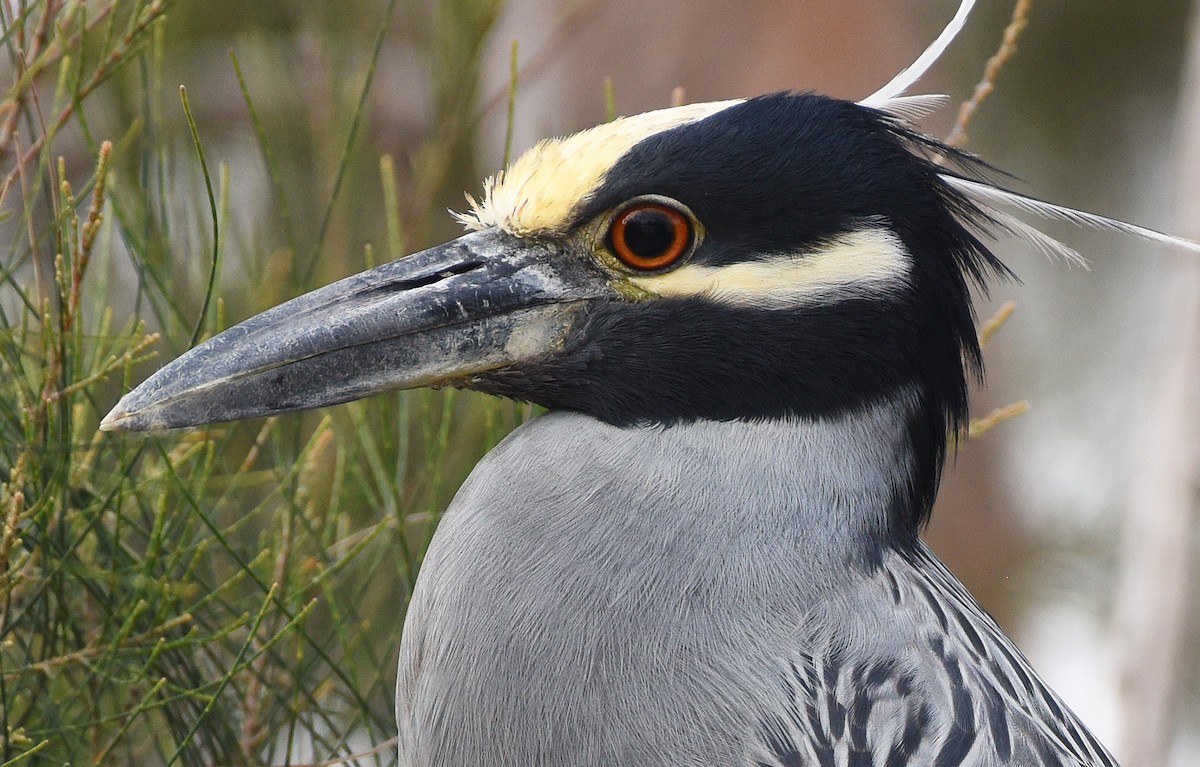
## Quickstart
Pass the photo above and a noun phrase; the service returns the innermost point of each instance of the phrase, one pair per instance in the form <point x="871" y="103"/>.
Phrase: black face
<point x="781" y="174"/>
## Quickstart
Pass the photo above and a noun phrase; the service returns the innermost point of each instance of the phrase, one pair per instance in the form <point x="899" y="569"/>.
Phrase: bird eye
<point x="649" y="236"/>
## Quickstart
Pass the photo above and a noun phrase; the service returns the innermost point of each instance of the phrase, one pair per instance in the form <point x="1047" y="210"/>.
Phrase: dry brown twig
<point x="980" y="426"/>
<point x="150" y="14"/>
<point x="997" y="321"/>
<point x="991" y="71"/>
<point x="957" y="138"/>
<point x="15" y="106"/>
<point x="92" y="651"/>
<point x="14" y="503"/>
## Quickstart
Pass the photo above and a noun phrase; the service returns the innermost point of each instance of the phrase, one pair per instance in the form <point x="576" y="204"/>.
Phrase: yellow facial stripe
<point x="537" y="194"/>
<point x="862" y="263"/>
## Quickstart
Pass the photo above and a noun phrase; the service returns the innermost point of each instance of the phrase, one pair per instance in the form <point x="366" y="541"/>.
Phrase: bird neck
<point x="862" y="476"/>
<point x="840" y="364"/>
<point x="841" y="485"/>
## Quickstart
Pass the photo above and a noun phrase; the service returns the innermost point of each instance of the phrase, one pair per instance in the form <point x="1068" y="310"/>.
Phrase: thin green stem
<point x="360" y="109"/>
<point x="212" y="207"/>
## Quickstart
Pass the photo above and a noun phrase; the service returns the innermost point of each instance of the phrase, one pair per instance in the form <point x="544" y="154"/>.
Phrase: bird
<point x="751" y="325"/>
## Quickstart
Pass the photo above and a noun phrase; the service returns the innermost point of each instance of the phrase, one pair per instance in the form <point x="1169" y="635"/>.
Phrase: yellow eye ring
<point x="648" y="236"/>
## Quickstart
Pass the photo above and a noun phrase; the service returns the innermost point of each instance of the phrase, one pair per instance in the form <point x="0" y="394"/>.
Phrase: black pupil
<point x="649" y="233"/>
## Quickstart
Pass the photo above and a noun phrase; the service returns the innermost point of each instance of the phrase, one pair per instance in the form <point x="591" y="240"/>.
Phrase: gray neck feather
<point x="586" y="576"/>
<point x="818" y="484"/>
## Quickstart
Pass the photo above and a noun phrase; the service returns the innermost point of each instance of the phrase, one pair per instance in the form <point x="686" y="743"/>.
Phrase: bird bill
<point x="474" y="304"/>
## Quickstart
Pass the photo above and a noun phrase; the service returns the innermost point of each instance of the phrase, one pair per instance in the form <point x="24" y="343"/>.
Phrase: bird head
<point x="788" y="256"/>
<point x="791" y="256"/>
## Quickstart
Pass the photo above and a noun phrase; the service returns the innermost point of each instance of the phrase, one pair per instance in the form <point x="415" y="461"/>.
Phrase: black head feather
<point x="783" y="174"/>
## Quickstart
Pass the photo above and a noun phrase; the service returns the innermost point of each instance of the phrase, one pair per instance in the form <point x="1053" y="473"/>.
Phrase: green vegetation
<point x="203" y="597"/>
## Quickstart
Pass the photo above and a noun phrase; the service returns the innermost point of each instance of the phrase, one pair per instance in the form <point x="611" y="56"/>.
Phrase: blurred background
<point x="140" y="623"/>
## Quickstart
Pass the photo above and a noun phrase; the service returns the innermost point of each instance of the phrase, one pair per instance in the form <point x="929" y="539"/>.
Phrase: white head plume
<point x="914" y="71"/>
<point x="998" y="204"/>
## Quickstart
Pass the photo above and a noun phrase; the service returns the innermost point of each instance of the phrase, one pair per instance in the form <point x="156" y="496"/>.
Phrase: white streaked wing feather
<point x="955" y="691"/>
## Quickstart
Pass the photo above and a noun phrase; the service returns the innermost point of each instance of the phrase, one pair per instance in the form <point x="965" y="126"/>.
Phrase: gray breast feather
<point x="699" y="596"/>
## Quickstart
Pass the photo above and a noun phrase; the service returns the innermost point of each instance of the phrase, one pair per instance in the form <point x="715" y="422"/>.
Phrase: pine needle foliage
<point x="230" y="595"/>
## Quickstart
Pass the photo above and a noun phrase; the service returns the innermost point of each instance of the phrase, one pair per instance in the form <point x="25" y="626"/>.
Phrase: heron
<point x="751" y="325"/>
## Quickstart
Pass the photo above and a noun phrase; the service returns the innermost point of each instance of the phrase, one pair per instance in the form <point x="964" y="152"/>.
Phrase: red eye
<point x="649" y="236"/>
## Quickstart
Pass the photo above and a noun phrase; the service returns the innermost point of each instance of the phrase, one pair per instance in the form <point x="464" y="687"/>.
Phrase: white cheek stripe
<point x="866" y="262"/>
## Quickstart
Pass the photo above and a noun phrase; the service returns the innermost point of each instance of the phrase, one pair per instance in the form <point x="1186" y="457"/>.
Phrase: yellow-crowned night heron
<point x="750" y="321"/>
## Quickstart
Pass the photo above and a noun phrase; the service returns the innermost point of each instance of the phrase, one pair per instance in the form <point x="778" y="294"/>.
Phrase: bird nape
<point x="751" y="324"/>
